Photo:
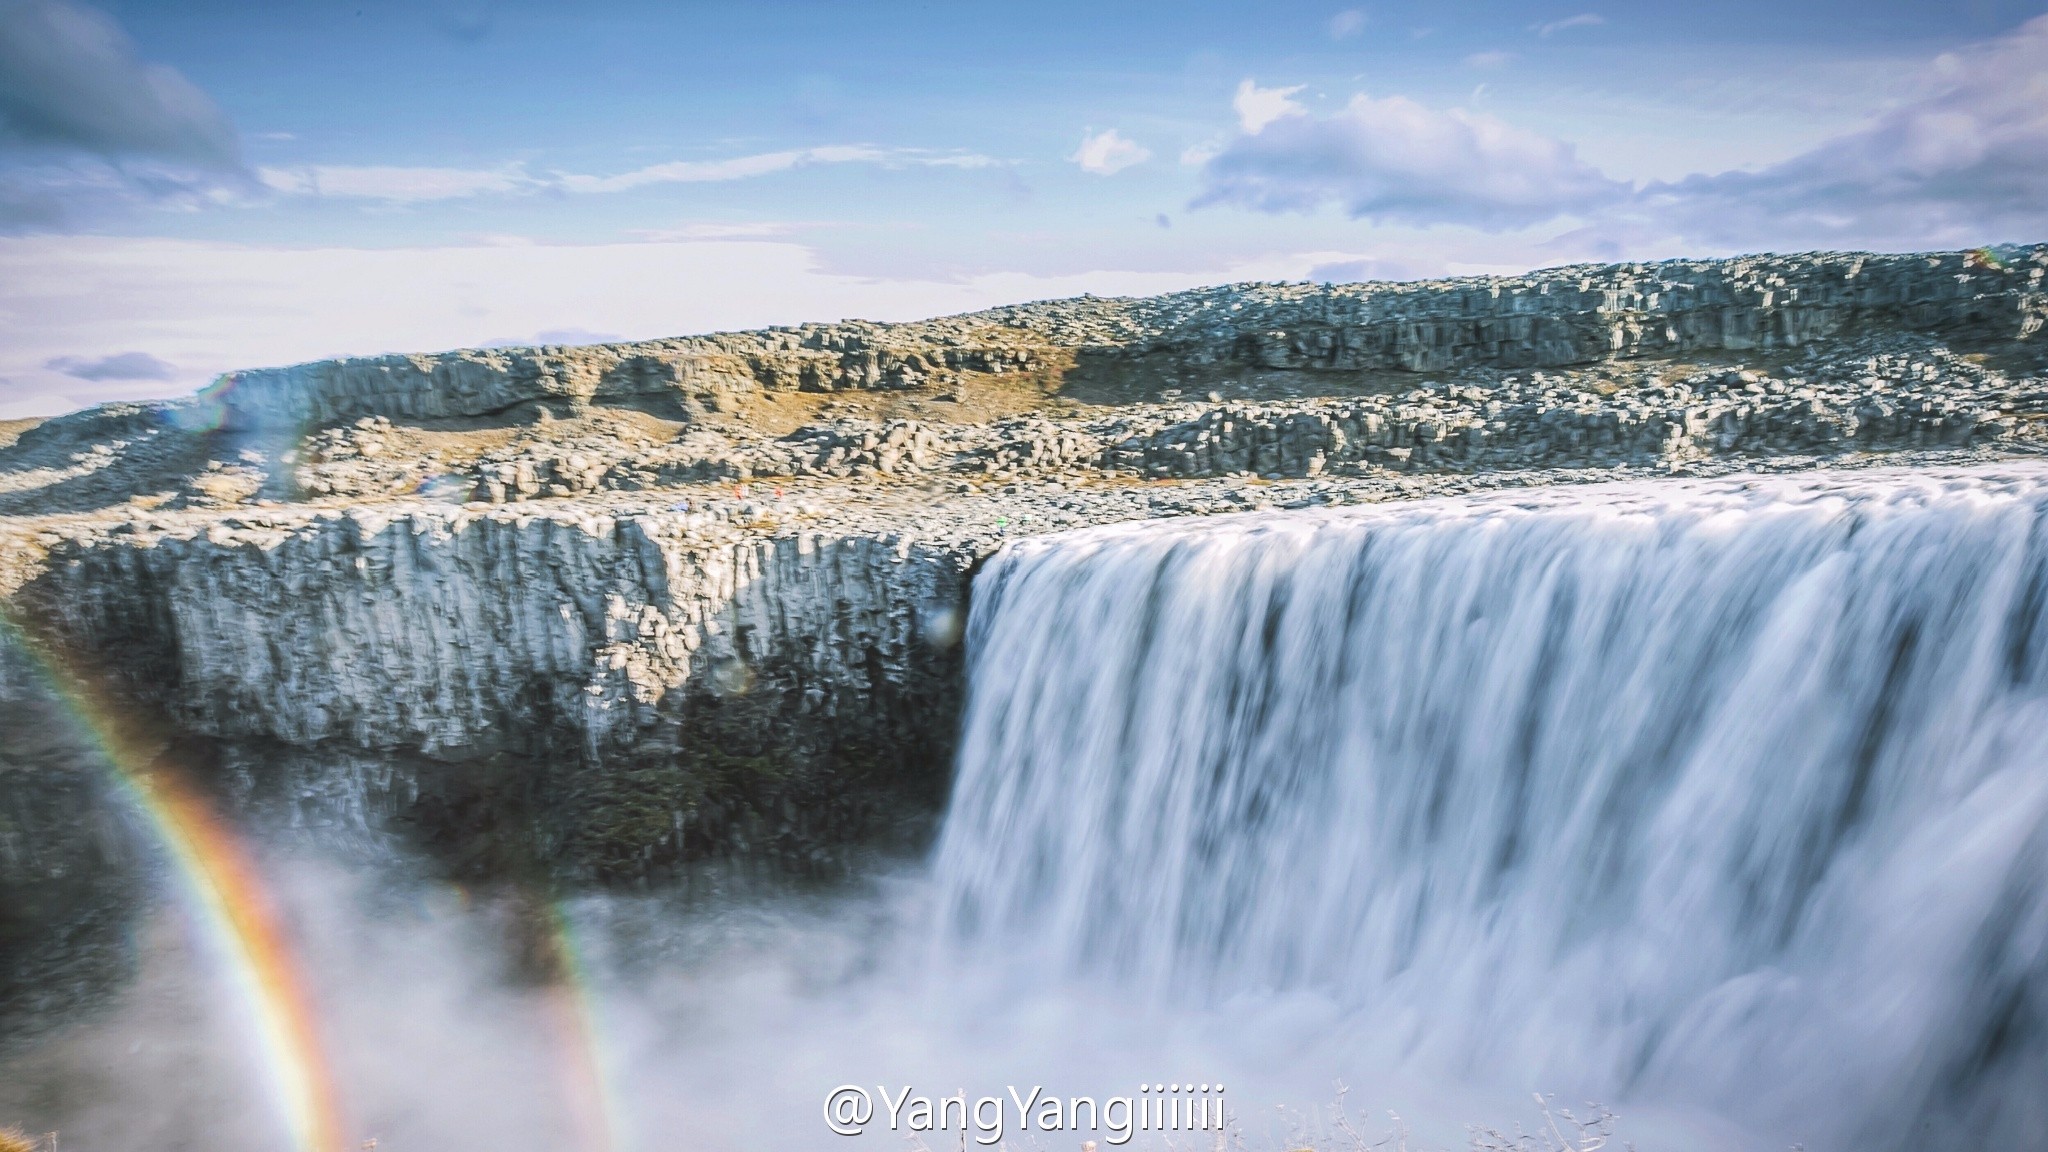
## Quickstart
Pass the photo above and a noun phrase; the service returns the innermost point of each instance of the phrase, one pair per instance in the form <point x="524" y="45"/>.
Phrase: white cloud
<point x="1963" y="163"/>
<point x="1347" y="24"/>
<point x="406" y="185"/>
<point x="947" y="160"/>
<point x="1582" y="20"/>
<point x="1488" y="59"/>
<point x="401" y="185"/>
<point x="1108" y="152"/>
<point x="715" y="171"/>
<point x="767" y="163"/>
<point x="1393" y="160"/>
<point x="1257" y="107"/>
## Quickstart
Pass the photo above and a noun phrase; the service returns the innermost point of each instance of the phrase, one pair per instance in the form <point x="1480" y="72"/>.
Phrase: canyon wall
<point x="738" y="688"/>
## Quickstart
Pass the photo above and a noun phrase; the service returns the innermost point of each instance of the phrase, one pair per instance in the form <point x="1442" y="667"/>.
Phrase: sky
<point x="189" y="188"/>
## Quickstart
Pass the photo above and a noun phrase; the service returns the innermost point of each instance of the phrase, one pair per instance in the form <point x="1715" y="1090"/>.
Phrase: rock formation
<point x="1557" y="318"/>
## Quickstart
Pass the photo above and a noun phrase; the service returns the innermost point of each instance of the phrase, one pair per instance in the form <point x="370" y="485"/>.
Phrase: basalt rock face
<point x="1556" y="318"/>
<point x="674" y="684"/>
<point x="1580" y="315"/>
<point x="476" y="382"/>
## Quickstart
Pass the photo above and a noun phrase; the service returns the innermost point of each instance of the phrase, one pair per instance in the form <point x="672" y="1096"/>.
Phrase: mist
<point x="725" y="1010"/>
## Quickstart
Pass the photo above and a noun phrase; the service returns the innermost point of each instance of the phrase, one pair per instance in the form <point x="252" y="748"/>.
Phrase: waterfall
<point x="1730" y="792"/>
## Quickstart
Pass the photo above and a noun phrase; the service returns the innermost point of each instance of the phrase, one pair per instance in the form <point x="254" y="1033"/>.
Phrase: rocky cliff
<point x="745" y="667"/>
<point x="596" y="610"/>
<point x="1556" y="318"/>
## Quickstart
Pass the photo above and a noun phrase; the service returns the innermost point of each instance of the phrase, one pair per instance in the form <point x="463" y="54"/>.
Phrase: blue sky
<point x="188" y="188"/>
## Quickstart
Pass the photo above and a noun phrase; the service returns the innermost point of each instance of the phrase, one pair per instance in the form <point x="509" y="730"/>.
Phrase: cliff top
<point x="1664" y="365"/>
<point x="1090" y="321"/>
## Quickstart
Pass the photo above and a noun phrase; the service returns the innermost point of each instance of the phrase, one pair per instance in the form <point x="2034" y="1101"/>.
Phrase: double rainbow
<point x="222" y="883"/>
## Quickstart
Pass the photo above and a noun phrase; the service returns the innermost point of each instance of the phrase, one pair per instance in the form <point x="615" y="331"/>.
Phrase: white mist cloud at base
<point x="715" y="1025"/>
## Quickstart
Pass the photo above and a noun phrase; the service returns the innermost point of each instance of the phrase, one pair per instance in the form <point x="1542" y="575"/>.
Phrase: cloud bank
<point x="1964" y="162"/>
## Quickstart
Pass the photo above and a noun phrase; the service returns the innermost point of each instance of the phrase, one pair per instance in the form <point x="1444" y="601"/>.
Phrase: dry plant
<point x="1336" y="1130"/>
<point x="1561" y="1132"/>
<point x="15" y="1140"/>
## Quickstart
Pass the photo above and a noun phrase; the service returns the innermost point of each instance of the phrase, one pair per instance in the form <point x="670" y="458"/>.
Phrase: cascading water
<point x="1732" y="793"/>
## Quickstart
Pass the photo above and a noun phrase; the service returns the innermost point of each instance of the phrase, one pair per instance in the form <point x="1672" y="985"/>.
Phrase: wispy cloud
<point x="1488" y="59"/>
<point x="1346" y="24"/>
<point x="1108" y="152"/>
<point x="410" y="185"/>
<point x="56" y="194"/>
<point x="1582" y="20"/>
<point x="401" y="185"/>
<point x="713" y="171"/>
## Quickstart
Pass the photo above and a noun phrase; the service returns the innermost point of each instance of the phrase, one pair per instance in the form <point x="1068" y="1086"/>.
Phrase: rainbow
<point x="224" y="886"/>
<point x="573" y="1007"/>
